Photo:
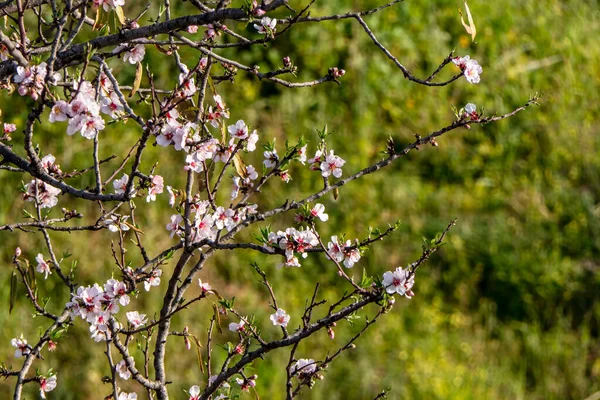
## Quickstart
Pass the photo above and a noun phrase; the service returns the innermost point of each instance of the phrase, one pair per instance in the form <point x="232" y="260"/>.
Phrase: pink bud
<point x="331" y="333"/>
<point x="18" y="252"/>
<point x="51" y="345"/>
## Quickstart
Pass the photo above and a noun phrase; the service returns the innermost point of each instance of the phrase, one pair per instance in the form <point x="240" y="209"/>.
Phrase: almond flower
<point x="123" y="371"/>
<point x="271" y="159"/>
<point x="318" y="211"/>
<point x="267" y="26"/>
<point x="47" y="385"/>
<point x="9" y="128"/>
<point x="472" y="71"/>
<point x="304" y="367"/>
<point x="204" y="286"/>
<point x="332" y="165"/>
<point x="43" y="193"/>
<point x="22" y="348"/>
<point x="470" y="112"/>
<point x="136" y="319"/>
<point x="154" y="280"/>
<point x="157" y="186"/>
<point x="120" y="185"/>
<point x="42" y="266"/>
<point x="280" y="318"/>
<point x="135" y="55"/>
<point x="239" y="130"/>
<point x="127" y="396"/>
<point x="399" y="282"/>
<point x="237" y="327"/>
<point x="194" y="392"/>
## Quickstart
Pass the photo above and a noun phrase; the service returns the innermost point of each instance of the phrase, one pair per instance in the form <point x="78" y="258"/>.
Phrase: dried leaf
<point x="240" y="167"/>
<point x="198" y="353"/>
<point x="470" y="28"/>
<point x="137" y="81"/>
<point x="101" y="18"/>
<point x="120" y="15"/>
<point x="217" y="317"/>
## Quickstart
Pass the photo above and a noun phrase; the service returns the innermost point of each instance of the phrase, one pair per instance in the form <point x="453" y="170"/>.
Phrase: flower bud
<point x="287" y="62"/>
<point x="18" y="252"/>
<point x="51" y="345"/>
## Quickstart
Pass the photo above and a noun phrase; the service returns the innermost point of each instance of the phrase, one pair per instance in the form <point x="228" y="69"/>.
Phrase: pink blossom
<point x="204" y="286"/>
<point x="280" y="318"/>
<point x="47" y="384"/>
<point x="267" y="26"/>
<point x="120" y="185"/>
<point x="304" y="367"/>
<point x="122" y="370"/>
<point x="271" y="158"/>
<point x="237" y="327"/>
<point x="173" y="226"/>
<point x="136" y="319"/>
<point x="22" y="348"/>
<point x="239" y="130"/>
<point x="8" y="128"/>
<point x="154" y="279"/>
<point x="332" y="165"/>
<point x="41" y="192"/>
<point x="157" y="187"/>
<point x="194" y="392"/>
<point x="399" y="282"/>
<point x="42" y="267"/>
<point x="135" y="55"/>
<point x="472" y="71"/>
<point x="318" y="211"/>
<point x="127" y="396"/>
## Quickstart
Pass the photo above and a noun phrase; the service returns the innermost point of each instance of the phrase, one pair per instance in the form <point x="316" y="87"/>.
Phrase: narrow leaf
<point x="13" y="291"/>
<point x="120" y="15"/>
<point x="470" y="28"/>
<point x="137" y="81"/>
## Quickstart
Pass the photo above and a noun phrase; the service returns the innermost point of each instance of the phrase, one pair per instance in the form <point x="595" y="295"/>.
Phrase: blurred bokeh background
<point x="509" y="308"/>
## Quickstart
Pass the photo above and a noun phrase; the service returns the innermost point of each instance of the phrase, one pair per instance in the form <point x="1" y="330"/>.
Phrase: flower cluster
<point x="293" y="241"/>
<point x="399" y="281"/>
<point x="206" y="225"/>
<point x="31" y="79"/>
<point x="186" y="136"/>
<point x="83" y="111"/>
<point x="96" y="305"/>
<point x="345" y="253"/>
<point x="470" y="68"/>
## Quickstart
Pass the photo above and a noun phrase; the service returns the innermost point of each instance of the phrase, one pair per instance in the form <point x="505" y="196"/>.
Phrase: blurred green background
<point x="509" y="308"/>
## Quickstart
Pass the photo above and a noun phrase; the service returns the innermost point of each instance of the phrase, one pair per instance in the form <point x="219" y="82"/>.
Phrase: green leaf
<point x="13" y="290"/>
